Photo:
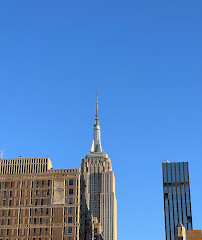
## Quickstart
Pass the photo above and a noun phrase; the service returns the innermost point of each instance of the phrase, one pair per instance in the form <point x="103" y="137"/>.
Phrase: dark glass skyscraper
<point x="177" y="201"/>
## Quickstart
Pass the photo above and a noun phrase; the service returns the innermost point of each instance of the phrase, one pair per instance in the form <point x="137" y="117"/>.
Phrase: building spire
<point x="96" y="145"/>
<point x="96" y="113"/>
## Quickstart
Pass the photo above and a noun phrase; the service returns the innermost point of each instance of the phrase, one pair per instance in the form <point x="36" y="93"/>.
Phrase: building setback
<point x="177" y="201"/>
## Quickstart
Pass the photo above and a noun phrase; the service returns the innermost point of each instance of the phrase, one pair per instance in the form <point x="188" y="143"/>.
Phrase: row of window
<point x="16" y="184"/>
<point x="37" y="183"/>
<point x="37" y="193"/>
<point x="41" y="211"/>
<point x="34" y="221"/>
<point x="9" y="221"/>
<point x="34" y="238"/>
<point x="22" y="193"/>
<point x="10" y="193"/>
<point x="39" y="231"/>
<point x="36" y="202"/>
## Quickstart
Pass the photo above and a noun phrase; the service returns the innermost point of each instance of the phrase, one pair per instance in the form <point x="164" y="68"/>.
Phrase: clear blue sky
<point x="143" y="57"/>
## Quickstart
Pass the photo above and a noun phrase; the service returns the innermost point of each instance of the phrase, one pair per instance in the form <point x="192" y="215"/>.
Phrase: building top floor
<point x="23" y="166"/>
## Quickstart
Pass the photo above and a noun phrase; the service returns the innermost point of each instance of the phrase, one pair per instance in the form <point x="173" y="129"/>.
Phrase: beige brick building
<point x="38" y="202"/>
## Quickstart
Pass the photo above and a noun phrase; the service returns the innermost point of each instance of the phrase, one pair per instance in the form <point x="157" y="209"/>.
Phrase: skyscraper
<point x="100" y="185"/>
<point x="177" y="201"/>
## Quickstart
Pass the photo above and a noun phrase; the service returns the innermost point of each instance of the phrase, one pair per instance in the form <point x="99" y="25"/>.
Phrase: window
<point x="46" y="210"/>
<point x="3" y="213"/>
<point x="4" y="195"/>
<point x="69" y="238"/>
<point x="48" y="192"/>
<point x="34" y="220"/>
<point x="9" y="202"/>
<point x="46" y="222"/>
<point x="8" y="222"/>
<point x="2" y="222"/>
<point x="40" y="231"/>
<point x="41" y="201"/>
<point x="70" y="210"/>
<point x="42" y="192"/>
<point x="5" y="184"/>
<point x="69" y="219"/>
<point x="4" y="203"/>
<point x="37" y="192"/>
<point x="10" y="193"/>
<point x="71" y="191"/>
<point x="40" y="220"/>
<point x="42" y="183"/>
<point x="35" y="211"/>
<point x="37" y="183"/>
<point x="7" y="233"/>
<point x="35" y="202"/>
<point x="70" y="200"/>
<point x="9" y="212"/>
<point x="41" y="211"/>
<point x="69" y="229"/>
<point x="48" y="182"/>
<point x="47" y="201"/>
<point x="71" y="182"/>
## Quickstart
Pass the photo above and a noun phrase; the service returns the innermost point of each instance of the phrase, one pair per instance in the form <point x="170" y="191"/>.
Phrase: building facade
<point x="100" y="185"/>
<point x="177" y="200"/>
<point x="38" y="202"/>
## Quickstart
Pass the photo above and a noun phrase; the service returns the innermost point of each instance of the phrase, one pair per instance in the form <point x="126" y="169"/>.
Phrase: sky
<point x="144" y="58"/>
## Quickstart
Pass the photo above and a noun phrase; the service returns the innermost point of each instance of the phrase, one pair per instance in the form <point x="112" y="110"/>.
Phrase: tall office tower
<point x="100" y="185"/>
<point x="177" y="201"/>
<point x="38" y="202"/>
<point x="180" y="233"/>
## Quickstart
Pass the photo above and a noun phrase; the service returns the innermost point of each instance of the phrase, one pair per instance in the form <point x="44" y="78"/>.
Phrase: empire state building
<point x="100" y="185"/>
